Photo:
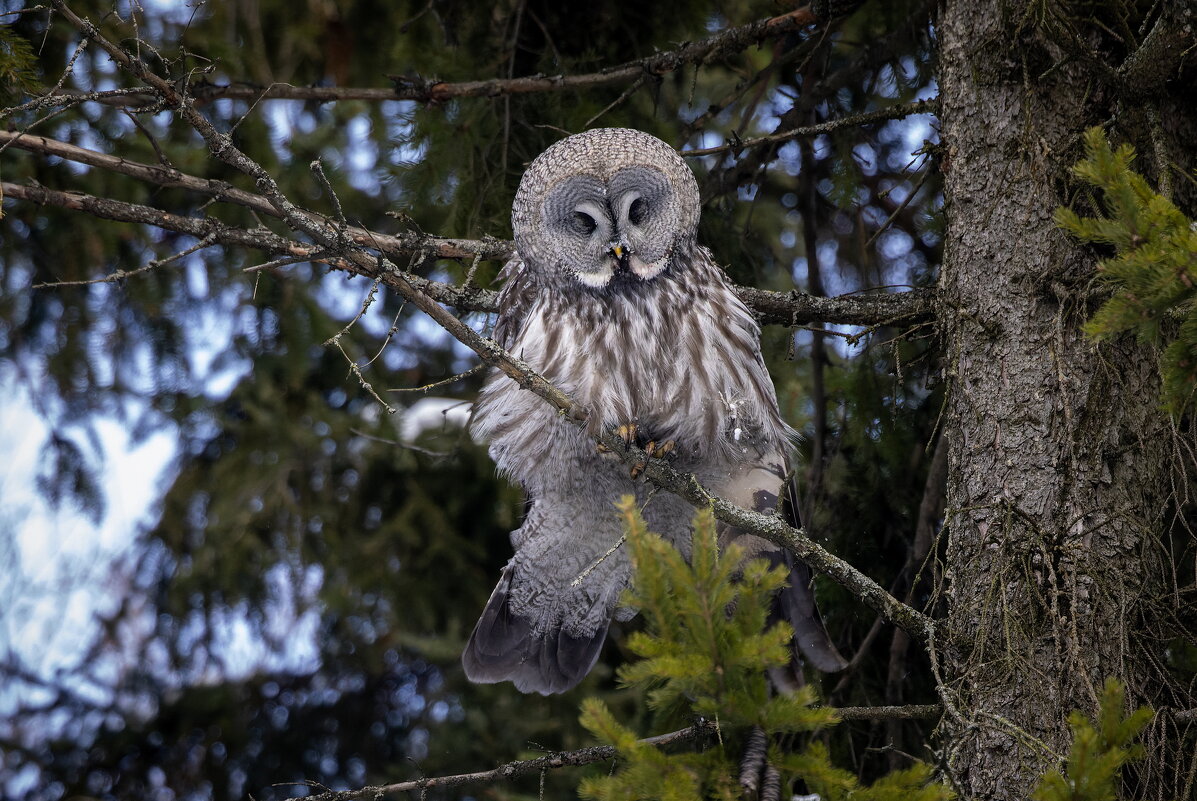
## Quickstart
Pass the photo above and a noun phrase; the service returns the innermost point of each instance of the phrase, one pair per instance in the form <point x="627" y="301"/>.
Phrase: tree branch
<point x="404" y="244"/>
<point x="560" y="759"/>
<point x="601" y="753"/>
<point x="412" y="287"/>
<point x="230" y="236"/>
<point x="789" y="308"/>
<point x="1157" y="60"/>
<point x="929" y="106"/>
<point x="430" y="90"/>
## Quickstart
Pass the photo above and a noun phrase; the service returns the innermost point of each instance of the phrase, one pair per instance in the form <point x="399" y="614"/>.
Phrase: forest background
<point x="247" y="546"/>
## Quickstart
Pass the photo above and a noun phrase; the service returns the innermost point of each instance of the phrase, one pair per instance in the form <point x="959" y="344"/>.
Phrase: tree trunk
<point x="1058" y="466"/>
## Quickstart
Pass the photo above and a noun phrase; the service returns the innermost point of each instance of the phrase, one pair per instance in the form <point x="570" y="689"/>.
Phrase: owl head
<point x="605" y="203"/>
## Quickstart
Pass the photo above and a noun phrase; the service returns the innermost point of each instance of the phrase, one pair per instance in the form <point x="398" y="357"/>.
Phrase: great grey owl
<point x="611" y="297"/>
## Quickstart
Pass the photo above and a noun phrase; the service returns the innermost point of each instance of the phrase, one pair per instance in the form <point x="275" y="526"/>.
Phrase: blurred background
<point x="229" y="570"/>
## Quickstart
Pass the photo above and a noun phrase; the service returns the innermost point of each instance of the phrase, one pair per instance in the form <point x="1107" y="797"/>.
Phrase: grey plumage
<point x="611" y="297"/>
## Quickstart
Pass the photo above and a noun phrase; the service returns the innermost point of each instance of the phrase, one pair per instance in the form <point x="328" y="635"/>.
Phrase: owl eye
<point x="637" y="211"/>
<point x="583" y="223"/>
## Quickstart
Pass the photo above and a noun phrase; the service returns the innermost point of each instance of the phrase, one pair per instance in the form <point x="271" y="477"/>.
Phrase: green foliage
<point x="835" y="784"/>
<point x="18" y="65"/>
<point x="1154" y="271"/>
<point x="706" y="644"/>
<point x="1098" y="752"/>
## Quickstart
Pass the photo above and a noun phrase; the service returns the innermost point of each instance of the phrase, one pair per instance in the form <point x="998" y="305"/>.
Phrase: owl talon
<point x="627" y="432"/>
<point x="654" y="450"/>
<point x="660" y="450"/>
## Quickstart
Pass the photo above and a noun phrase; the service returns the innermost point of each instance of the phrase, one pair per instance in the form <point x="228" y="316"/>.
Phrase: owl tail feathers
<point x="795" y="604"/>
<point x="503" y="647"/>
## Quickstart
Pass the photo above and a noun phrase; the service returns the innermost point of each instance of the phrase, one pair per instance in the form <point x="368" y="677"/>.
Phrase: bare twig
<point x="429" y="90"/>
<point x="120" y="275"/>
<point x="930" y="106"/>
<point x="453" y="379"/>
<point x="601" y="753"/>
<point x="560" y="759"/>
<point x="900" y="208"/>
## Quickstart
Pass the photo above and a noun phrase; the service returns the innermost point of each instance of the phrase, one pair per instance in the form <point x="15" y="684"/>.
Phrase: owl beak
<point x="621" y="255"/>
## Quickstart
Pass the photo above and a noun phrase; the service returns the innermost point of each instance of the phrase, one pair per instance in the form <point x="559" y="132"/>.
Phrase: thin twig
<point x="560" y="759"/>
<point x="285" y="261"/>
<point x="427" y="90"/>
<point x="318" y="170"/>
<point x="636" y="84"/>
<point x="453" y="379"/>
<point x="121" y="275"/>
<point x="901" y="206"/>
<point x="354" y="367"/>
<point x="929" y="106"/>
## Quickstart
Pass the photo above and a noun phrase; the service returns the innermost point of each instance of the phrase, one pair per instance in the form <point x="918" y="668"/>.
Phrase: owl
<point x="610" y="296"/>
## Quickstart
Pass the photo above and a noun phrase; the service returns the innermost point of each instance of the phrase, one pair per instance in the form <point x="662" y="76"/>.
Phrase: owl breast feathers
<point x="611" y="298"/>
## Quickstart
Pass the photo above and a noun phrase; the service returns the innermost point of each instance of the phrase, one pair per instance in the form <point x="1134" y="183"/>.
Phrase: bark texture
<point x="1058" y="475"/>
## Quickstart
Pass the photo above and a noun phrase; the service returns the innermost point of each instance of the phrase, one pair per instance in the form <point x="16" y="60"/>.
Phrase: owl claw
<point x="627" y="432"/>
<point x="654" y="450"/>
<point x="659" y="450"/>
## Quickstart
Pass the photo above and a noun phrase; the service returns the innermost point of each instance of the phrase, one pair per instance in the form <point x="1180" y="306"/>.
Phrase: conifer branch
<point x="910" y="712"/>
<point x="553" y="761"/>
<point x="217" y="232"/>
<point x="600" y="753"/>
<point x="433" y="91"/>
<point x="404" y="244"/>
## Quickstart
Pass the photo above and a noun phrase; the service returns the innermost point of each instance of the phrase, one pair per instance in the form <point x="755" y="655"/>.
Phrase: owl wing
<point x="757" y="487"/>
<point x="547" y="619"/>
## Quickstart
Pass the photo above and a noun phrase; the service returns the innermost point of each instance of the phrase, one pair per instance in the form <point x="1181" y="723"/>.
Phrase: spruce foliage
<point x="706" y="646"/>
<point x="1098" y="751"/>
<point x="1154" y="270"/>
<point x="18" y="71"/>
